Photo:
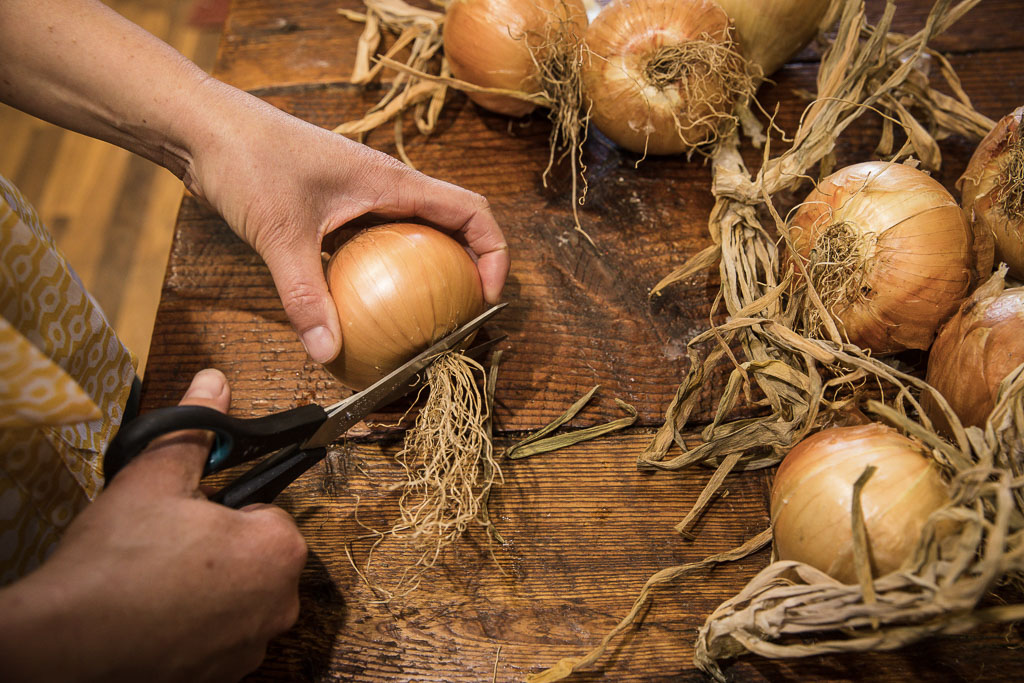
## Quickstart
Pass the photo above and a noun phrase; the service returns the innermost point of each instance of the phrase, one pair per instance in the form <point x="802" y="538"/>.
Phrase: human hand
<point x="282" y="184"/>
<point x="154" y="582"/>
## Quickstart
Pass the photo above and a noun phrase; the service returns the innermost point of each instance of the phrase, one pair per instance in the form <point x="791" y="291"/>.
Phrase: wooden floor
<point x="112" y="213"/>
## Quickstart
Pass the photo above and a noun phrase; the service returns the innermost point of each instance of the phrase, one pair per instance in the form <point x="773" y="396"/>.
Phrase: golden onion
<point x="398" y="289"/>
<point x="498" y="44"/>
<point x="772" y="31"/>
<point x="974" y="352"/>
<point x="662" y="76"/>
<point x="992" y="189"/>
<point x="890" y="253"/>
<point x="812" y="498"/>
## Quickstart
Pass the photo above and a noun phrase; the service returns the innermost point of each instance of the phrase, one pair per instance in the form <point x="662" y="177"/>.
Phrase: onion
<point x="890" y="253"/>
<point x="398" y="289"/>
<point x="663" y="75"/>
<point x="974" y="352"/>
<point x="812" y="496"/>
<point x="772" y="31"/>
<point x="992" y="188"/>
<point x="501" y="44"/>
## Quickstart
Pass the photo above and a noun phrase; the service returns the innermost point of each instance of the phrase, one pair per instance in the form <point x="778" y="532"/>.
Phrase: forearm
<point x="80" y="65"/>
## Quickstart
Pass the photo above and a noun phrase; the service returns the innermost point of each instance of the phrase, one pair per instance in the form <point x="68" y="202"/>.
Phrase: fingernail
<point x="319" y="343"/>
<point x="207" y="383"/>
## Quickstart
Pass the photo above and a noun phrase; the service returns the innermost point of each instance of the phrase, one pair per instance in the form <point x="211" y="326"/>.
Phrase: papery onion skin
<point x="974" y="352"/>
<point x="398" y="288"/>
<point x="624" y="104"/>
<point x="982" y="188"/>
<point x="772" y="31"/>
<point x="919" y="253"/>
<point x="491" y="43"/>
<point x="812" y="497"/>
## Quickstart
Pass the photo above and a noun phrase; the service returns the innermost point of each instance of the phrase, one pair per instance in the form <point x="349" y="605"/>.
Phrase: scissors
<point x="299" y="435"/>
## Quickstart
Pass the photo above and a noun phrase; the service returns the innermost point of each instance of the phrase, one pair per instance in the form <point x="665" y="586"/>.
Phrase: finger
<point x="298" y="274"/>
<point x="456" y="209"/>
<point x="281" y="532"/>
<point x="175" y="462"/>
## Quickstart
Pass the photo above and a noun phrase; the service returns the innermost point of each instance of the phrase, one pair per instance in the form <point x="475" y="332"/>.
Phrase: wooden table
<point x="584" y="528"/>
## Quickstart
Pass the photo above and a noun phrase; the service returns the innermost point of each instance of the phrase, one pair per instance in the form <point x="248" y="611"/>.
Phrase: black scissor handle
<point x="238" y="440"/>
<point x="263" y="482"/>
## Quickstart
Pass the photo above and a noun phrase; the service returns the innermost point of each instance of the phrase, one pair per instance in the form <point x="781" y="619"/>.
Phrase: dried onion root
<point x="448" y="462"/>
<point x="449" y="470"/>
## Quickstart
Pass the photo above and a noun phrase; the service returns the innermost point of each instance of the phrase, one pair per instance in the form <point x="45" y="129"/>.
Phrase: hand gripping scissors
<point x="299" y="435"/>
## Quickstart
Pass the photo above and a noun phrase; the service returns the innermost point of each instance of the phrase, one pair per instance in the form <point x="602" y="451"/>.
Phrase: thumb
<point x="299" y="278"/>
<point x="175" y="462"/>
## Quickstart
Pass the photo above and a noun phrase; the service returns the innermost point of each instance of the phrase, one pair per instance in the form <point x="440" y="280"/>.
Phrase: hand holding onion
<point x="890" y="253"/>
<point x="282" y="184"/>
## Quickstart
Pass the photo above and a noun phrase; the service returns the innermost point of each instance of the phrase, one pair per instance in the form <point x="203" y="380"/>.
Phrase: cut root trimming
<point x="449" y="469"/>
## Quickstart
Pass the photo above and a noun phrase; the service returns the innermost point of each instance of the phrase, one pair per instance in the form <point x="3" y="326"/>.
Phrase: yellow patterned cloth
<point x="64" y="381"/>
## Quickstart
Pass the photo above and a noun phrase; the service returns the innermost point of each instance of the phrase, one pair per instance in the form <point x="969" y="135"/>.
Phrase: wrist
<point x="35" y="640"/>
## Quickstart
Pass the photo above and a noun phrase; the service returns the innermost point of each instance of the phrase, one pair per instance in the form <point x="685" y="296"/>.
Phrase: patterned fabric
<point x="64" y="381"/>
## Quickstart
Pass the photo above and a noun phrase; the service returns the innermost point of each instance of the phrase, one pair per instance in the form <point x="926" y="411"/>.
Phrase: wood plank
<point x="272" y="43"/>
<point x="584" y="528"/>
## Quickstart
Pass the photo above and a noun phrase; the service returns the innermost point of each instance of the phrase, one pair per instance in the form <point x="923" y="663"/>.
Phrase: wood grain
<point x="584" y="529"/>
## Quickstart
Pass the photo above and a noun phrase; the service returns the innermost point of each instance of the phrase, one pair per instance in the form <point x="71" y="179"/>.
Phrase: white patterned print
<point x="64" y="380"/>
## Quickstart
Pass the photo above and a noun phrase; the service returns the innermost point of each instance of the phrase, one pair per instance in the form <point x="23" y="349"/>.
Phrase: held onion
<point x="398" y="289"/>
<point x="812" y="496"/>
<point x="662" y="76"/>
<point x="992" y="189"/>
<point x="504" y="44"/>
<point x="974" y="352"/>
<point x="889" y="252"/>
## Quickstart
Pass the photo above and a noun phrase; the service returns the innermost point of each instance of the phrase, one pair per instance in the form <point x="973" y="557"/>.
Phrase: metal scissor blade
<point x="342" y="416"/>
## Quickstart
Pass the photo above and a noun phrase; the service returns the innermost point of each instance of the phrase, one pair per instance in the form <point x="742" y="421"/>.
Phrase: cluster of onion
<point x="893" y="259"/>
<point x="657" y="76"/>
<point x="663" y="76"/>
<point x="984" y="341"/>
